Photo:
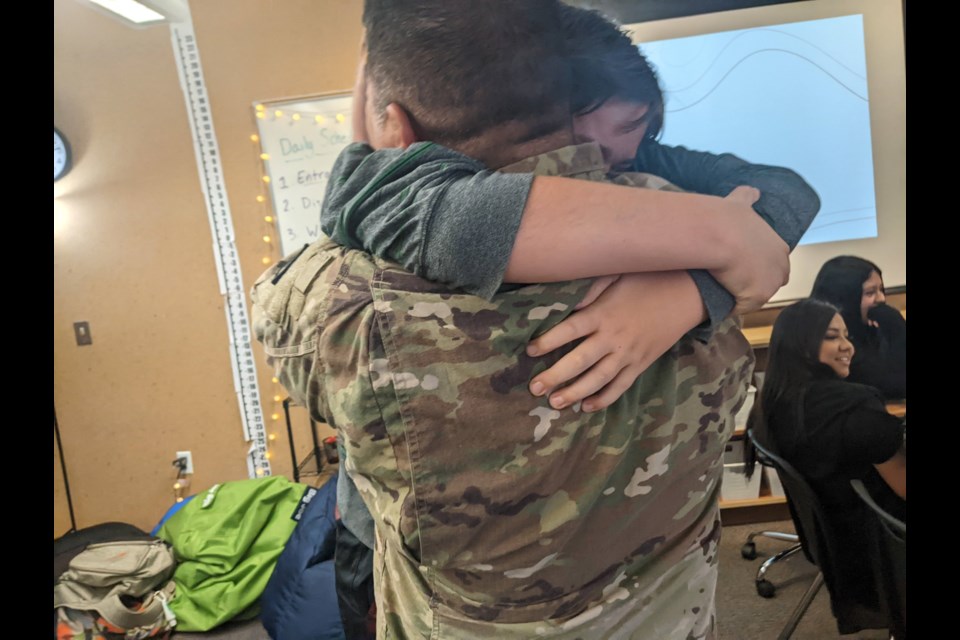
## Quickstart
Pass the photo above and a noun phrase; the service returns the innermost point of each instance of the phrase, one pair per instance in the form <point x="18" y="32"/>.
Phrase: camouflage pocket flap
<point x="284" y="314"/>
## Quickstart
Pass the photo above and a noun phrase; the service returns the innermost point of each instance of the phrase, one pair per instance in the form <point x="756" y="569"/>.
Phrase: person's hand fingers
<point x="746" y="194"/>
<point x="609" y="394"/>
<point x="573" y="327"/>
<point x="596" y="378"/>
<point x="586" y="355"/>
<point x="599" y="285"/>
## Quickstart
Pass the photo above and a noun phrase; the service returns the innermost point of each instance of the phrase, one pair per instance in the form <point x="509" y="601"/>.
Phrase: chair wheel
<point x="765" y="589"/>
<point x="749" y="551"/>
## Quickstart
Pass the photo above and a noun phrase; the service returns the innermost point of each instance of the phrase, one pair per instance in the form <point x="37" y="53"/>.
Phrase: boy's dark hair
<point x="840" y="282"/>
<point x="461" y="67"/>
<point x="605" y="64"/>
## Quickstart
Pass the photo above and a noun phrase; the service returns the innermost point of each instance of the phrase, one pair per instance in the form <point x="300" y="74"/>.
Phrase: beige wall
<point x="133" y="250"/>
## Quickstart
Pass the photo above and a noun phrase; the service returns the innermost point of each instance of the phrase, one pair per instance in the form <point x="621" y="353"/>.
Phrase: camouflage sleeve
<point x="285" y="318"/>
<point x="355" y="386"/>
<point x="294" y="302"/>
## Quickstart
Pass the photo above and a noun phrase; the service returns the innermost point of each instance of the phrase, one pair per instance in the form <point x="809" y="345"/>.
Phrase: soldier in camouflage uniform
<point x="497" y="515"/>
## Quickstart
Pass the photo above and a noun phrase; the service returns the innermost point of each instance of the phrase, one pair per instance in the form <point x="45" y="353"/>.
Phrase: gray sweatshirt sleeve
<point x="787" y="203"/>
<point x="386" y="203"/>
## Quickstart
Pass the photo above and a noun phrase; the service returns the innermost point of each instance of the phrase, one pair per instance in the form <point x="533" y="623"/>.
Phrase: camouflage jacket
<point x="496" y="515"/>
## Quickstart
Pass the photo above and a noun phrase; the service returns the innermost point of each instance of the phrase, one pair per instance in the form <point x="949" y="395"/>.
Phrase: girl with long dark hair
<point x="879" y="333"/>
<point x="831" y="430"/>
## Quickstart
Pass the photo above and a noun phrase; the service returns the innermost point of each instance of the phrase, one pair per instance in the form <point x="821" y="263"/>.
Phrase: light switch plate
<point x="82" y="332"/>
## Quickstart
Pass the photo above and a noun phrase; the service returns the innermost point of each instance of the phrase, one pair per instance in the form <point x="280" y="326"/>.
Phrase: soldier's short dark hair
<point x="605" y="64"/>
<point x="460" y="67"/>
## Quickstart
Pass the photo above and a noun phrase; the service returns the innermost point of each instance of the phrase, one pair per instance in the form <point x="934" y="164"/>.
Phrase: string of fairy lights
<point x="272" y="250"/>
<point x="263" y="112"/>
<point x="269" y="257"/>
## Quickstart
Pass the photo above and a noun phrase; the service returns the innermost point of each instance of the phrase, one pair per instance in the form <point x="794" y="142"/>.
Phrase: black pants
<point x="354" y="576"/>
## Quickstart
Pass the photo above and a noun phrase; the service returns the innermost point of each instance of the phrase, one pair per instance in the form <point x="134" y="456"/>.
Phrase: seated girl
<point x="879" y="332"/>
<point x="831" y="430"/>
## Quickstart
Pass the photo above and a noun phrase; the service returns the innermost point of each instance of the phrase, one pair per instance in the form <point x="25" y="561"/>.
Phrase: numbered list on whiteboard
<point x="301" y="140"/>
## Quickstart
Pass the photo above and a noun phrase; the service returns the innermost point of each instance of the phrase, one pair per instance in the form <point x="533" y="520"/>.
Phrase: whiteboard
<point x="299" y="142"/>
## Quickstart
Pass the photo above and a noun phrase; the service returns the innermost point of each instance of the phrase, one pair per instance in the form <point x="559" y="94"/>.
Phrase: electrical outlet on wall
<point x="189" y="457"/>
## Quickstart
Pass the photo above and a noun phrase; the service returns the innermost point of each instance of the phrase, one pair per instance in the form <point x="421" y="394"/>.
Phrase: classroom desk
<point x="758" y="337"/>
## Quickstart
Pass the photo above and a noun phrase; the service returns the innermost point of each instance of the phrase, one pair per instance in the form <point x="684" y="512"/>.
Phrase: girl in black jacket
<point x="831" y="430"/>
<point x="879" y="332"/>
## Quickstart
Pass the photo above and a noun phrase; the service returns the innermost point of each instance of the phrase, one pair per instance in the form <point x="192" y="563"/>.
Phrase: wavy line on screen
<point x="837" y="212"/>
<point x="818" y="227"/>
<point x="750" y="55"/>
<point x="730" y="43"/>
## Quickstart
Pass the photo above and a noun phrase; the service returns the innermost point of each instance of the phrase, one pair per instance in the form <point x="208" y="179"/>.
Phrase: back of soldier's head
<point x="463" y="68"/>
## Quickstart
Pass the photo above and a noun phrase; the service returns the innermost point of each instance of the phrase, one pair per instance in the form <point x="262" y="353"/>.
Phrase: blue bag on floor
<point x="300" y="600"/>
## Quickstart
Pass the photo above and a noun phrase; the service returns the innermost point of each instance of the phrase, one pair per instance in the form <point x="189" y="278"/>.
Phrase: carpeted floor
<point x="744" y="615"/>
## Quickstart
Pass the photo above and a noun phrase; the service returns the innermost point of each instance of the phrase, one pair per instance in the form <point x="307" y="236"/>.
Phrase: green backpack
<point x="126" y="583"/>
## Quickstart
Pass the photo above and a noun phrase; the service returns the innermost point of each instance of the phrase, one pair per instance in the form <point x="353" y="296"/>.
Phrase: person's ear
<point x="398" y="127"/>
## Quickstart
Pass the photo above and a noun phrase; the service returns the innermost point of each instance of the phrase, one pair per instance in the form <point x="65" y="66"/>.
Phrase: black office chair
<point x="765" y="588"/>
<point x="819" y="544"/>
<point x="888" y="540"/>
<point x="748" y="551"/>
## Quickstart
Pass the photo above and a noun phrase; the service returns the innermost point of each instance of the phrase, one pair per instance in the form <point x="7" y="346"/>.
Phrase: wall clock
<point x="62" y="159"/>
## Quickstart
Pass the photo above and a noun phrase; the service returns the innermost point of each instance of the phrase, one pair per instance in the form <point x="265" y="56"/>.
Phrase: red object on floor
<point x="372" y="619"/>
